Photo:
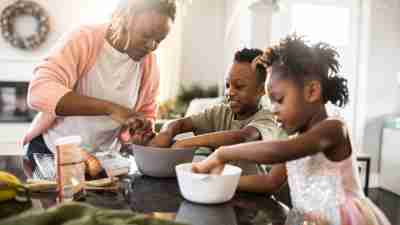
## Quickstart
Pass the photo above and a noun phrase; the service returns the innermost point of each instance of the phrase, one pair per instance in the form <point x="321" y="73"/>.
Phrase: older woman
<point x="100" y="78"/>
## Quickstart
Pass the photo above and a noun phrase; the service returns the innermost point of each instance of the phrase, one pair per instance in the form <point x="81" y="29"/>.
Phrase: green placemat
<point x="13" y="207"/>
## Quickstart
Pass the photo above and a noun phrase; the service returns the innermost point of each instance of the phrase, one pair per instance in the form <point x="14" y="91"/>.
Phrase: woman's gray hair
<point x="126" y="9"/>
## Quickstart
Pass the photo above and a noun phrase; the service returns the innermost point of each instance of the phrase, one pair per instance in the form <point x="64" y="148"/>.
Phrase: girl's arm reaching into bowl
<point x="211" y="165"/>
<point x="269" y="183"/>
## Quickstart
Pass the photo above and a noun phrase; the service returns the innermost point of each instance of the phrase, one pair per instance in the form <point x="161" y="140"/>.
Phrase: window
<point x="321" y="22"/>
<point x="98" y="11"/>
<point x="245" y="28"/>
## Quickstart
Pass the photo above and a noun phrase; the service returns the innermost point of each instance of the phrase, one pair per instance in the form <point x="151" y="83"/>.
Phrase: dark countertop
<point x="162" y="197"/>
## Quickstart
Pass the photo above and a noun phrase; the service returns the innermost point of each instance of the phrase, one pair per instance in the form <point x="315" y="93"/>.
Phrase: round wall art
<point x="10" y="15"/>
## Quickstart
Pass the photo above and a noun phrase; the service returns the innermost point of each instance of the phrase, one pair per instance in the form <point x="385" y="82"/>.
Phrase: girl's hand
<point x="259" y="60"/>
<point x="212" y="164"/>
<point x="262" y="59"/>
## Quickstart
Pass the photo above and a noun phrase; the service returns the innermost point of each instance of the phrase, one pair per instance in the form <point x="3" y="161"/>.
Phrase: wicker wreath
<point x="12" y="12"/>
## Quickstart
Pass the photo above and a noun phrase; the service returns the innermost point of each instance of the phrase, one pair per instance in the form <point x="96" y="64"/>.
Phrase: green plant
<point x="175" y="108"/>
<point x="187" y="94"/>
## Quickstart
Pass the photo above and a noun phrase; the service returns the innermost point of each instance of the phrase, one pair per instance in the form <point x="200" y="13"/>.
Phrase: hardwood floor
<point x="388" y="202"/>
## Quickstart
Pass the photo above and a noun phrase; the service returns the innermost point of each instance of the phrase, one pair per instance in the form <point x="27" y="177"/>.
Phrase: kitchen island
<point x="161" y="198"/>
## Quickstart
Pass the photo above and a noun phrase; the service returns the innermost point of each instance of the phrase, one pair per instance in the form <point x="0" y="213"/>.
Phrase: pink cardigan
<point x="69" y="62"/>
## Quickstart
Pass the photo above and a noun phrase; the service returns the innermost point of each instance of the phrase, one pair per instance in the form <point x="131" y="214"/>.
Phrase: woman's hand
<point x="138" y="138"/>
<point x="142" y="138"/>
<point x="136" y="128"/>
<point x="121" y="114"/>
<point x="161" y="140"/>
<point x="93" y="166"/>
<point x="212" y="164"/>
<point x="134" y="134"/>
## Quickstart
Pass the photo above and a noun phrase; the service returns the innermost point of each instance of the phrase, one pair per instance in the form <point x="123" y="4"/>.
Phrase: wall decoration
<point x="9" y="31"/>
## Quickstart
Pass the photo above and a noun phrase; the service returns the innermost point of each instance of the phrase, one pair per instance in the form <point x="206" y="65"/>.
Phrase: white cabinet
<point x="10" y="138"/>
<point x="390" y="160"/>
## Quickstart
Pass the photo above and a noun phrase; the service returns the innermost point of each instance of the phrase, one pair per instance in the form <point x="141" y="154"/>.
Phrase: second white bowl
<point x="208" y="189"/>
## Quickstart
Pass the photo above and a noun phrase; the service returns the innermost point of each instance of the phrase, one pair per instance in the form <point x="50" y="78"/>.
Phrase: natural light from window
<point x="321" y="22"/>
<point x="245" y="28"/>
<point x="99" y="11"/>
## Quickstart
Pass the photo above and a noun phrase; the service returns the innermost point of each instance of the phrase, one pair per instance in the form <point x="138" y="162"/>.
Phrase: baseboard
<point x="374" y="180"/>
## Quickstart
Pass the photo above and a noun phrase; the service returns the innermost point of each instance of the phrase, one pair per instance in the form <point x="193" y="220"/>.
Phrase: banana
<point x="40" y="185"/>
<point x="6" y="195"/>
<point x="9" y="186"/>
<point x="9" y="179"/>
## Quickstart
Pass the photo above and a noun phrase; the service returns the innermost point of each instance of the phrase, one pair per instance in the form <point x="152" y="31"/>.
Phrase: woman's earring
<point x="115" y="30"/>
<point x="128" y="41"/>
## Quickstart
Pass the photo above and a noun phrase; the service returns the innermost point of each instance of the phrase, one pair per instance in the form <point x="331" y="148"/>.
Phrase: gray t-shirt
<point x="221" y="118"/>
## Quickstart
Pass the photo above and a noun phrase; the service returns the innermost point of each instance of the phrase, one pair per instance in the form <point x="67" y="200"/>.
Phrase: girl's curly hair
<point x="300" y="60"/>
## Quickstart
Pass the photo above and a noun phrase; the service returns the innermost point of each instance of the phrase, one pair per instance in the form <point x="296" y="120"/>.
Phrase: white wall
<point x="380" y="63"/>
<point x="384" y="57"/>
<point x="203" y="34"/>
<point x="17" y="64"/>
<point x="213" y="31"/>
<point x="232" y="34"/>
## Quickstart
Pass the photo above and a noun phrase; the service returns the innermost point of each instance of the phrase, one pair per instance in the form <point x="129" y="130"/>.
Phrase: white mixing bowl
<point x="208" y="188"/>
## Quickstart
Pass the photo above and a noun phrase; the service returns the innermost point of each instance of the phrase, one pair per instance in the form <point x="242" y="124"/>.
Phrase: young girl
<point x="318" y="160"/>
